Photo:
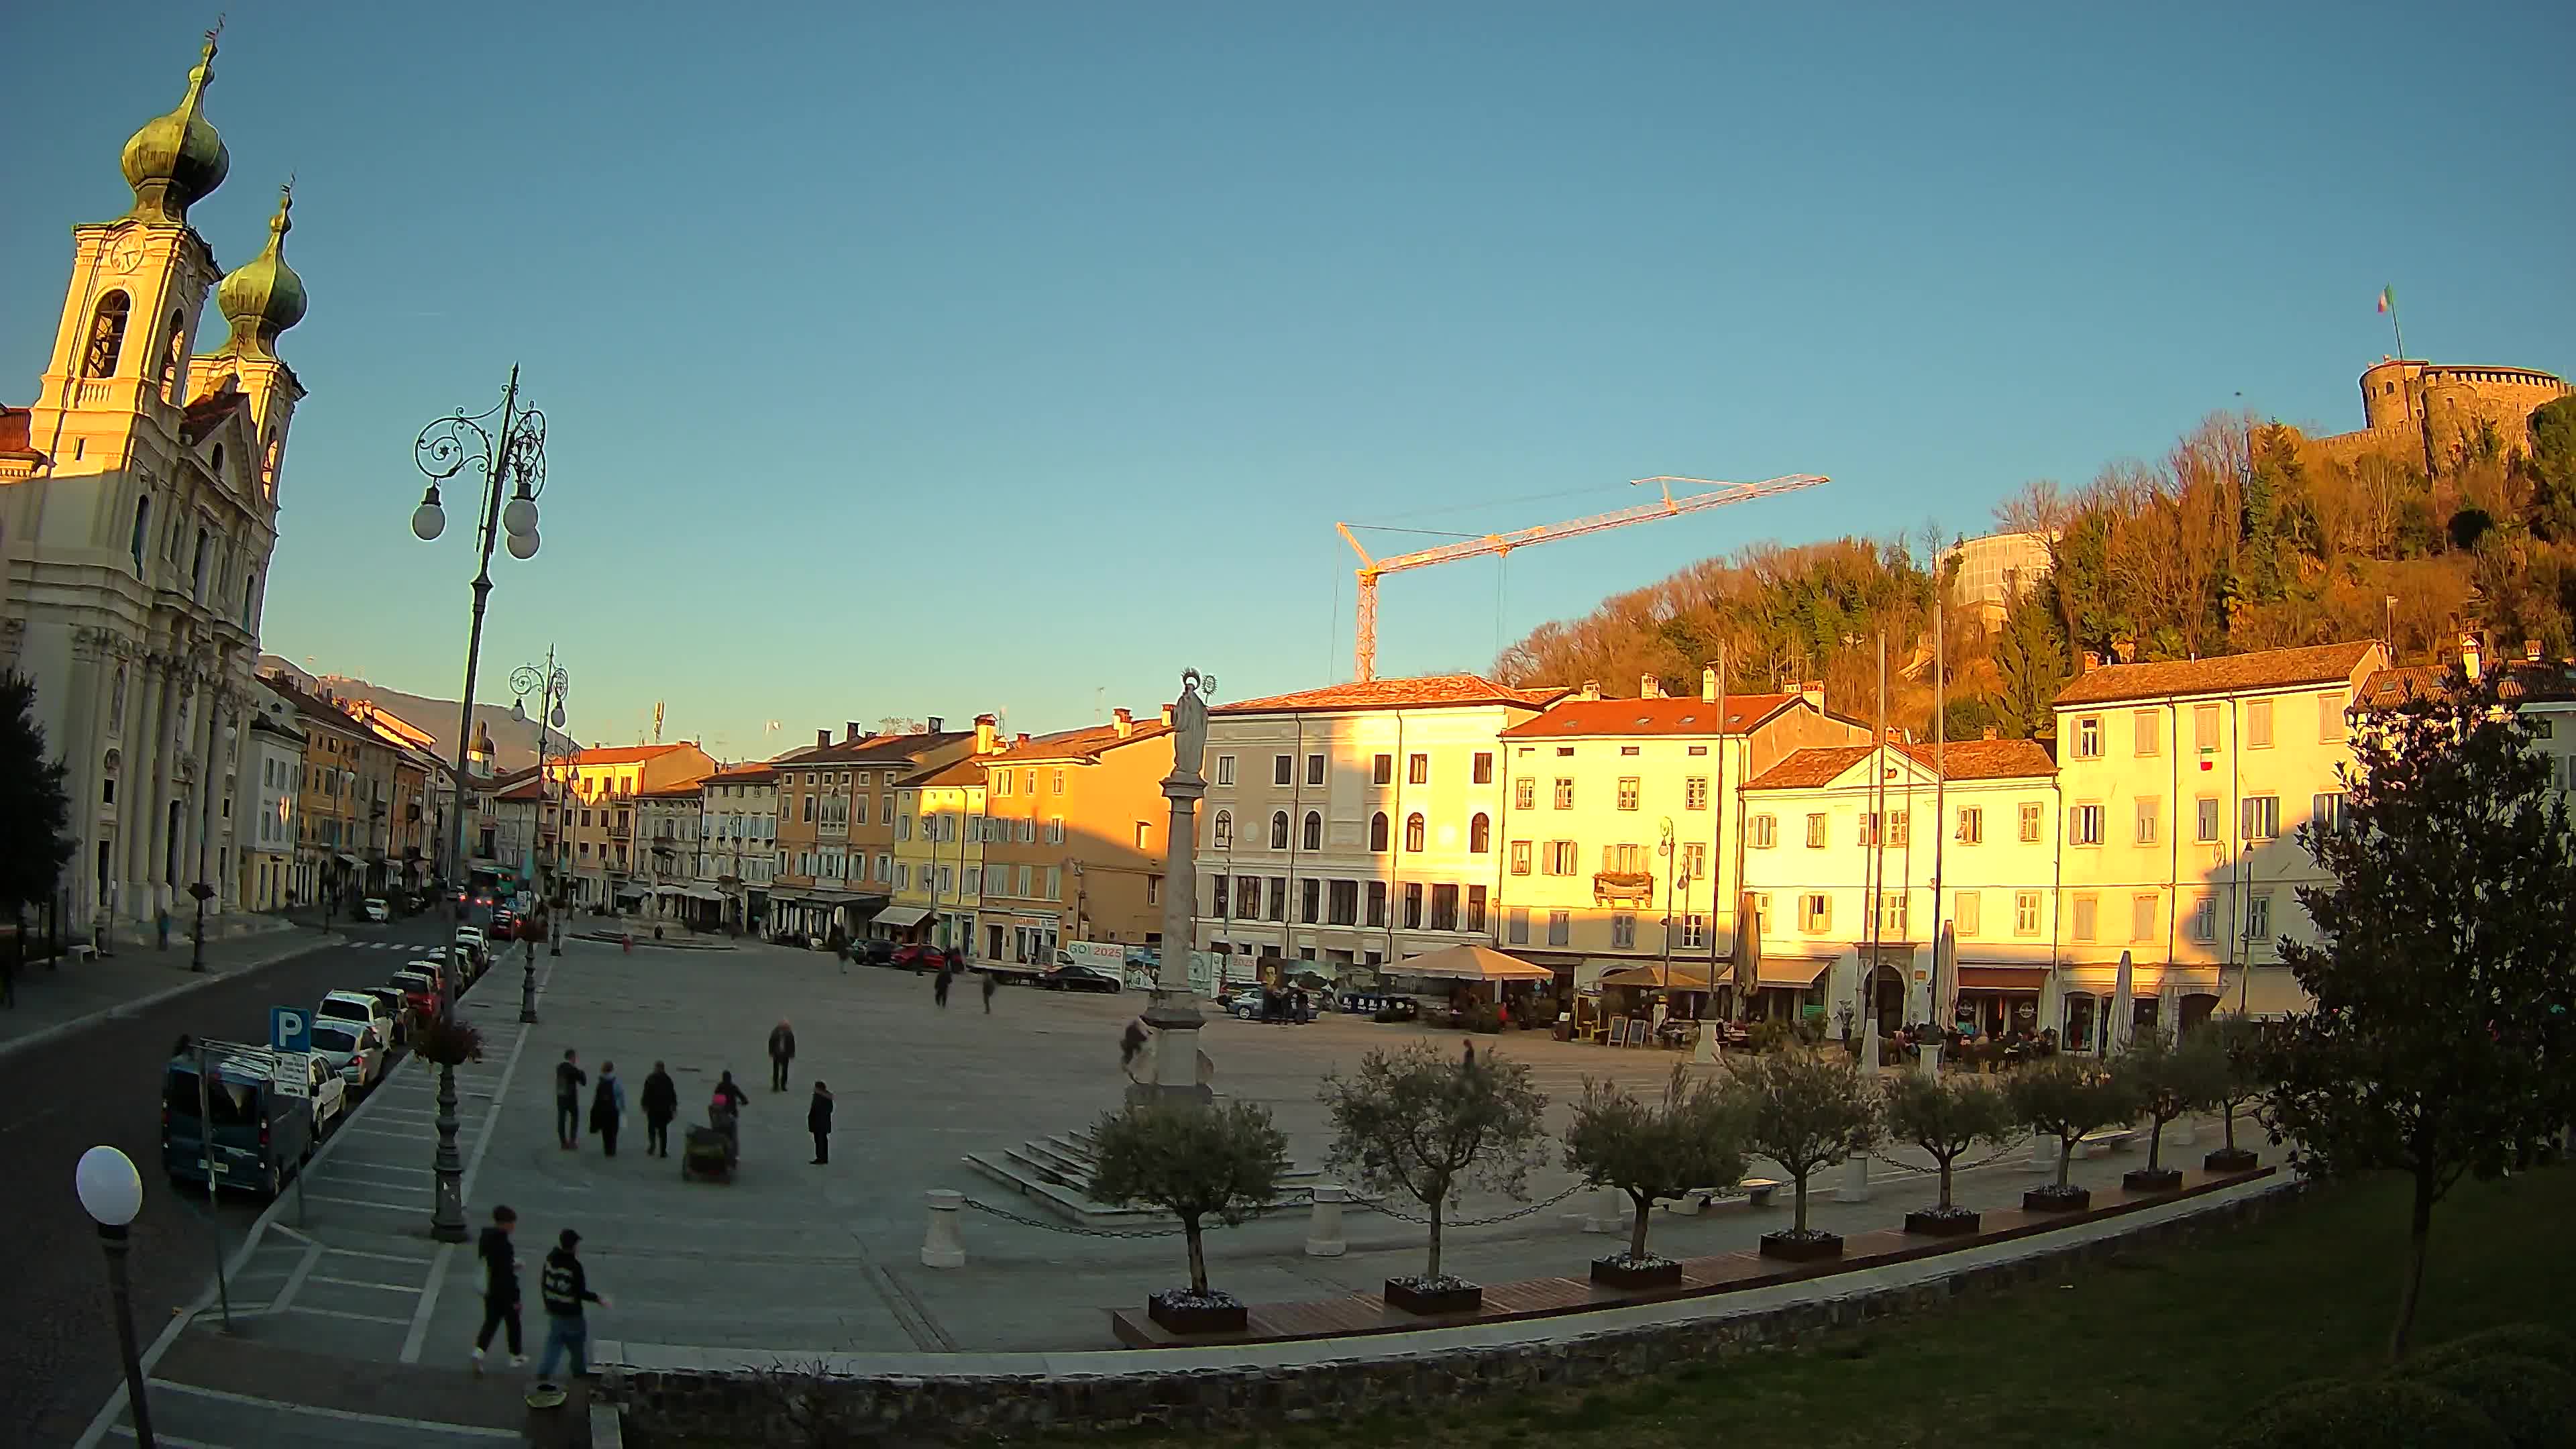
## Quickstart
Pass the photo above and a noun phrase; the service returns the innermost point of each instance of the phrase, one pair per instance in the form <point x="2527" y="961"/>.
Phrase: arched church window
<point x="142" y="523"/>
<point x="197" y="569"/>
<point x="176" y="354"/>
<point x="219" y="461"/>
<point x="106" y="335"/>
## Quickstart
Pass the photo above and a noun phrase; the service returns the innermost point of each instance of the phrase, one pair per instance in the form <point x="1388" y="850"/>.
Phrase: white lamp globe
<point x="524" y="545"/>
<point x="111" y="1191"/>
<point x="519" y="515"/>
<point x="428" y="521"/>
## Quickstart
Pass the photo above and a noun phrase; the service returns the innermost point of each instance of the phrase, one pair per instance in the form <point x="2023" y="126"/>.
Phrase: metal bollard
<point x="941" y="1247"/>
<point x="1324" y="1229"/>
<point x="1930" y="1053"/>
<point x="1609" y="1212"/>
<point x="2043" y="1153"/>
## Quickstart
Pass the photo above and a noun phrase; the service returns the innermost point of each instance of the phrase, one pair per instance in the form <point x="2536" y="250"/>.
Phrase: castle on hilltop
<point x="2435" y="415"/>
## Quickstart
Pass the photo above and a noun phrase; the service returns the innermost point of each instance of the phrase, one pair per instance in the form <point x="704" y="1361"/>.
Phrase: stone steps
<point x="1056" y="1171"/>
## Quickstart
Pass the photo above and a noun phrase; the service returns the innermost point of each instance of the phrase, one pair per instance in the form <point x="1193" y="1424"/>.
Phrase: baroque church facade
<point x="138" y="512"/>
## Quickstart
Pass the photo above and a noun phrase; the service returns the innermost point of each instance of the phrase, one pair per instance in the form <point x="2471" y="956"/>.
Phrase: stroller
<point x="713" y="1150"/>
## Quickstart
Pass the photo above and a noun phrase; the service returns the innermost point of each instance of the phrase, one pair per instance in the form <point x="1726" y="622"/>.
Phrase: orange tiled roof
<point x="1960" y="760"/>
<point x="2521" y="681"/>
<point x="206" y="413"/>
<point x="1088" y="743"/>
<point x="1688" y="715"/>
<point x="623" y="754"/>
<point x="756" y="772"/>
<point x="2224" y="674"/>
<point x="1429" y="691"/>
<point x="672" y="792"/>
<point x="532" y="790"/>
<point x="968" y="771"/>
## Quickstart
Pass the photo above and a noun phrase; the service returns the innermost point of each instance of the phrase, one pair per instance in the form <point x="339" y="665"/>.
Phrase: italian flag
<point x="2387" y="298"/>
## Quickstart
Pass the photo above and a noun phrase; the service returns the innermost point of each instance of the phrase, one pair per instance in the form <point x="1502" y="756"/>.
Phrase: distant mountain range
<point x="514" y="734"/>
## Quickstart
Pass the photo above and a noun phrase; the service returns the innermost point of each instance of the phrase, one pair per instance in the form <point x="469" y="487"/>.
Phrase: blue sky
<point x="929" y="359"/>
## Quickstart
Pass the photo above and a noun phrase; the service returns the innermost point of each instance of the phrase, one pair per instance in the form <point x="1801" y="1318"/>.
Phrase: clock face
<point x="124" y="254"/>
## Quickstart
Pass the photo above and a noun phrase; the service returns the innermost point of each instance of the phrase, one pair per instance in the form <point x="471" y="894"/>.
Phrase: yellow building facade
<point x="938" y="854"/>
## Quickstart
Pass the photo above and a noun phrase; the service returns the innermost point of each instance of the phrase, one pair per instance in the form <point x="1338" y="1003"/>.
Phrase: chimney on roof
<point x="1020" y="739"/>
<point x="2472" y="660"/>
<point x="1167" y="716"/>
<point x="1121" y="720"/>
<point x="2092" y="661"/>
<point x="849" y="731"/>
<point x="822" y="738"/>
<point x="1649" y="687"/>
<point x="987" y="733"/>
<point x="1813" y="692"/>
<point x="1708" y="684"/>
<point x="935" y="725"/>
<point x="2531" y="651"/>
<point x="1990" y="733"/>
<point x="1591" y="690"/>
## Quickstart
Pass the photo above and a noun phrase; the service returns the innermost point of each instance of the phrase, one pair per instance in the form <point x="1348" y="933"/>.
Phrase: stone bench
<point x="2104" y="1142"/>
<point x="1756" y="1191"/>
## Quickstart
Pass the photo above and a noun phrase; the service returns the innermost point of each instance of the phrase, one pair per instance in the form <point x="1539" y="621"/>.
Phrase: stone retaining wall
<point x="782" y="1407"/>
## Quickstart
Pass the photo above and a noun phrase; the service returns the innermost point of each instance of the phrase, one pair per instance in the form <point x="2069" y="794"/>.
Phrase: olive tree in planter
<point x="2239" y="1081"/>
<point x="1424" y="1123"/>
<point x="1652" y="1150"/>
<point x="2065" y="1097"/>
<point x="1195" y="1161"/>
<point x="1946" y="1116"/>
<point x="2166" y="1079"/>
<point x="1806" y="1110"/>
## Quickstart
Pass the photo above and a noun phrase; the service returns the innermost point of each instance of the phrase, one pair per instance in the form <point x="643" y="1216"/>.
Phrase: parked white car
<point x="375" y="910"/>
<point x="364" y="1008"/>
<point x="330" y="1095"/>
<point x="354" y="1050"/>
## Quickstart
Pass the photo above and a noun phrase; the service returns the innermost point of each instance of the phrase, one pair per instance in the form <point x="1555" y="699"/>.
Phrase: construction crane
<point x="1714" y="495"/>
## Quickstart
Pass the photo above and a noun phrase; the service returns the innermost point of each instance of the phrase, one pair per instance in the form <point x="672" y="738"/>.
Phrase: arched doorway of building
<point x="1886" y="997"/>
<point x="2079" y="1022"/>
<point x="2196" y="1009"/>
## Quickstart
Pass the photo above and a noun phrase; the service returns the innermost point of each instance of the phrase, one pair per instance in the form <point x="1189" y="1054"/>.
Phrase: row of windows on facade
<point x="1417" y="769"/>
<point x="1321" y="902"/>
<point x="1027" y="882"/>
<point x="1480" y="832"/>
<point x="213" y="562"/>
<point x="2089" y="737"/>
<point x="1816" y="918"/>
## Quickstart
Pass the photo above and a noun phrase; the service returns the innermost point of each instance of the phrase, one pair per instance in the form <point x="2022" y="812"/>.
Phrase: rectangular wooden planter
<point x="1466" y="1298"/>
<point x="2151" y="1179"/>
<point x="1941" y="1225"/>
<point x="2229" y="1159"/>
<point x="2045" y="1200"/>
<point x="1801" y="1250"/>
<point x="1619" y="1273"/>
<point x="1198" y="1316"/>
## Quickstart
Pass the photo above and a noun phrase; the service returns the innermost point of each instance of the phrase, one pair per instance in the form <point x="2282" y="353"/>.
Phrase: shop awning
<point x="2002" y="978"/>
<point x="635" y="891"/>
<point x="901" y="916"/>
<point x="347" y="859"/>
<point x="1794" y="972"/>
<point x="703" y="893"/>
<point x="1686" y="976"/>
<point x="1469" y="963"/>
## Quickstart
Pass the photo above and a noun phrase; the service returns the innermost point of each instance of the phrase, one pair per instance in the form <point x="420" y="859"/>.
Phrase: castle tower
<point x="134" y="547"/>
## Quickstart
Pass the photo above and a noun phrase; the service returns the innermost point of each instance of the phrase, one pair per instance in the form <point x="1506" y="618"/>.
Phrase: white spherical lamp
<point x="524" y="545"/>
<point x="429" y="520"/>
<point x="519" y="516"/>
<point x="111" y="1191"/>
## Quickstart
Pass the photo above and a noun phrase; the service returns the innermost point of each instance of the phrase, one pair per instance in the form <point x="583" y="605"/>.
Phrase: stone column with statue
<point x="1174" y="1016"/>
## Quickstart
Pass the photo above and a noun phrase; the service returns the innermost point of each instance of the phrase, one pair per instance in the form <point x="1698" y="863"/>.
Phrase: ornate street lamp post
<point x="511" y="456"/>
<point x="111" y="1192"/>
<point x="549" y="685"/>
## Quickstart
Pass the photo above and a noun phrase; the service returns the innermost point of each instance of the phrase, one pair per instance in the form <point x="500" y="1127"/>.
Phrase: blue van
<point x="262" y="1135"/>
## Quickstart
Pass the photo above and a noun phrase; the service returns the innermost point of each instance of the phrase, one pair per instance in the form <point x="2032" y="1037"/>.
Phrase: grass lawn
<point x="2160" y="1348"/>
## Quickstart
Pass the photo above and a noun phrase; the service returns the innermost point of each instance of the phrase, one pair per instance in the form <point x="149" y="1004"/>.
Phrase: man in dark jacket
<point x="782" y="1050"/>
<point x="569" y="1080"/>
<point x="661" y="1104"/>
<point x="500" y="1288"/>
<point x="566" y="1288"/>
<point x="818" y="1120"/>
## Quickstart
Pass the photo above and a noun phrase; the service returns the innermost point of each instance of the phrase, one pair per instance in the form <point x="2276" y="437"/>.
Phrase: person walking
<point x="565" y="1287"/>
<point x="161" y="925"/>
<point x="818" y="1120"/>
<point x="661" y="1104"/>
<point x="1130" y="1043"/>
<point x="500" y="1288"/>
<point x="569" y="1080"/>
<point x="939" y="983"/>
<point x="730" y="1091"/>
<point x="607" y="1108"/>
<point x="782" y="1050"/>
<point x="991" y="983"/>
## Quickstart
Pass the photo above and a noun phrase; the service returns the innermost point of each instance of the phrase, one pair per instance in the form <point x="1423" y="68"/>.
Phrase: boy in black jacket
<point x="566" y="1288"/>
<point x="500" y="1287"/>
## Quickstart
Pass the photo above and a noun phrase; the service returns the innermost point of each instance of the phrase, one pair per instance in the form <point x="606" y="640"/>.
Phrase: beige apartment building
<point x="1358" y="824"/>
<point x="600" y="786"/>
<point x="2183" y="785"/>
<point x="1623" y="813"/>
<point x="836" y="827"/>
<point x="1073" y="840"/>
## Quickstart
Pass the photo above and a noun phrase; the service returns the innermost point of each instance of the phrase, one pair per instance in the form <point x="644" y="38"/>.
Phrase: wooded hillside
<point x="2244" y="536"/>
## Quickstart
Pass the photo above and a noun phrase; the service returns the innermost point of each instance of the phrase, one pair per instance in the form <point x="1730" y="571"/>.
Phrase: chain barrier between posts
<point x="1080" y="1231"/>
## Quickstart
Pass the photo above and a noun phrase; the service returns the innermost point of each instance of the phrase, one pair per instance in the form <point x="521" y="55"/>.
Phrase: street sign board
<point x="290" y="1029"/>
<point x="292" y="1076"/>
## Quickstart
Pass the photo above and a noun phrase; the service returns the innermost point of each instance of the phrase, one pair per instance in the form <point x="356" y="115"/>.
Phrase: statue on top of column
<point x="1189" y="721"/>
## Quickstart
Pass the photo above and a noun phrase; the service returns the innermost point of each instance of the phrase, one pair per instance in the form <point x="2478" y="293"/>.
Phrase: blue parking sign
<point x="290" y="1029"/>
